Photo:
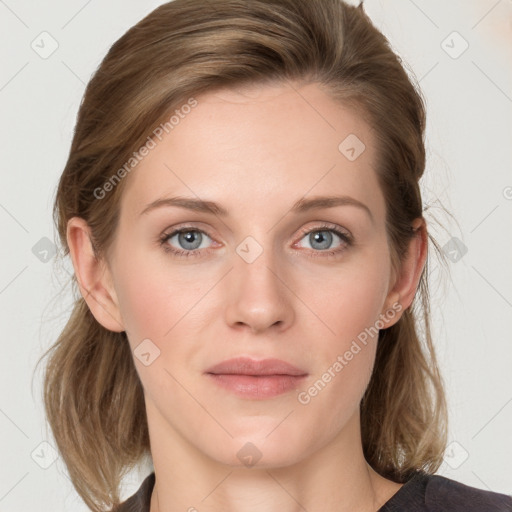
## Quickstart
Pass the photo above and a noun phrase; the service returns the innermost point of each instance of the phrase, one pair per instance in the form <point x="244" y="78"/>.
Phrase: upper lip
<point x="248" y="366"/>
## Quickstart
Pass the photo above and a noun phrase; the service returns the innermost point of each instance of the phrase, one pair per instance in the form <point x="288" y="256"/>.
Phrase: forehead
<point x="259" y="148"/>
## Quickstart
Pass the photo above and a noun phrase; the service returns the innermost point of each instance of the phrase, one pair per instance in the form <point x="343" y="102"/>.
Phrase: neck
<point x="335" y="478"/>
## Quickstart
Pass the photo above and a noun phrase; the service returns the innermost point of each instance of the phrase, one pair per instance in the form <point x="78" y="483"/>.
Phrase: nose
<point x="259" y="295"/>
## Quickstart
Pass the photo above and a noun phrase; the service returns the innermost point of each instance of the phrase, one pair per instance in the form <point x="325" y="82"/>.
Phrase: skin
<point x="255" y="152"/>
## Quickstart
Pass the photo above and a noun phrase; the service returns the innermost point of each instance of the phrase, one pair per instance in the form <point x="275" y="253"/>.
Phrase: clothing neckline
<point x="413" y="482"/>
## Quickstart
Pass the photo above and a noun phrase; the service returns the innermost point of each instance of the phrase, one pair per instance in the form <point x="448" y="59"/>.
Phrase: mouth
<point x="248" y="378"/>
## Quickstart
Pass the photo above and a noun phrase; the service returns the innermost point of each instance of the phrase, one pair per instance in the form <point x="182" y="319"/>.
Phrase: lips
<point x="248" y="366"/>
<point x="256" y="380"/>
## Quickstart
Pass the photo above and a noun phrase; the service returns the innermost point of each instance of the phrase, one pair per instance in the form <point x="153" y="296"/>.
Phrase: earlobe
<point x="93" y="276"/>
<point x="408" y="278"/>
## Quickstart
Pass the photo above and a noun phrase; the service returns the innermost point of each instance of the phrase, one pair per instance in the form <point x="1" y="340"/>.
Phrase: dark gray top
<point x="421" y="493"/>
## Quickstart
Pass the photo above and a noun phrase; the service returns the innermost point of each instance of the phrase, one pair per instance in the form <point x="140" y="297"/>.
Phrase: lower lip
<point x="259" y="387"/>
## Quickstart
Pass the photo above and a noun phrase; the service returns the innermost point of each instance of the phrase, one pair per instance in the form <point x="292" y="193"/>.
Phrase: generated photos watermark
<point x="304" y="397"/>
<point x="144" y="150"/>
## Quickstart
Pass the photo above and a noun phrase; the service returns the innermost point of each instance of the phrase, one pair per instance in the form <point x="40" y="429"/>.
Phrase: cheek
<point x="145" y="309"/>
<point x="349" y="304"/>
<point x="159" y="299"/>
<point x="350" y="299"/>
<point x="147" y="298"/>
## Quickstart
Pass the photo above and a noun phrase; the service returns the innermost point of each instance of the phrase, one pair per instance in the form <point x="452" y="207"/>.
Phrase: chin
<point x="261" y="448"/>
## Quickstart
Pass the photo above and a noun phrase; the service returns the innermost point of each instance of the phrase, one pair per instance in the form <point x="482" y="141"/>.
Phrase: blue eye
<point x="191" y="239"/>
<point x="323" y="238"/>
<point x="188" y="237"/>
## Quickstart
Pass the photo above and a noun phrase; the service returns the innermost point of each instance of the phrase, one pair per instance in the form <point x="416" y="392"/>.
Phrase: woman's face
<point x="269" y="278"/>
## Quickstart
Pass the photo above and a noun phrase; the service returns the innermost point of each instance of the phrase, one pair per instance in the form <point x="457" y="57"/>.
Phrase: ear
<point x="93" y="276"/>
<point x="403" y="290"/>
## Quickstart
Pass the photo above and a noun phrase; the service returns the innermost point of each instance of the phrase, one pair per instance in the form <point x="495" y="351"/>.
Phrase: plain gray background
<point x="469" y="135"/>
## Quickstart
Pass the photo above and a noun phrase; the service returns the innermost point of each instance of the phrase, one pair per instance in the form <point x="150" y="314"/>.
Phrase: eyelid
<point x="327" y="226"/>
<point x="172" y="232"/>
<point x="184" y="227"/>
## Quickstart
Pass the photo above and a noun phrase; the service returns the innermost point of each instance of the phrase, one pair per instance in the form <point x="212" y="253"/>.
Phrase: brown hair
<point x="92" y="393"/>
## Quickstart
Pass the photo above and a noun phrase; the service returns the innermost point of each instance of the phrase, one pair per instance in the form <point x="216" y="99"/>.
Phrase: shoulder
<point x="141" y="500"/>
<point x="445" y="494"/>
<point x="435" y="493"/>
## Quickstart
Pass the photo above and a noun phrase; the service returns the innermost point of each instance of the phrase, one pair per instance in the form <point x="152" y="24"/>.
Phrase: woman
<point x="241" y="205"/>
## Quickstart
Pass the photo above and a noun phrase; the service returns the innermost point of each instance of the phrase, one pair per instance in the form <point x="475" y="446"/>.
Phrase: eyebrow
<point x="301" y="206"/>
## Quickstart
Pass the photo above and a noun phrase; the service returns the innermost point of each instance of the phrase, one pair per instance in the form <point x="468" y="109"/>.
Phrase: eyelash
<point x="345" y="237"/>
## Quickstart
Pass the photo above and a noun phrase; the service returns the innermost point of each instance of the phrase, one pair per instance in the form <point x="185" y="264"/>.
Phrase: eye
<point x="321" y="239"/>
<point x="189" y="239"/>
